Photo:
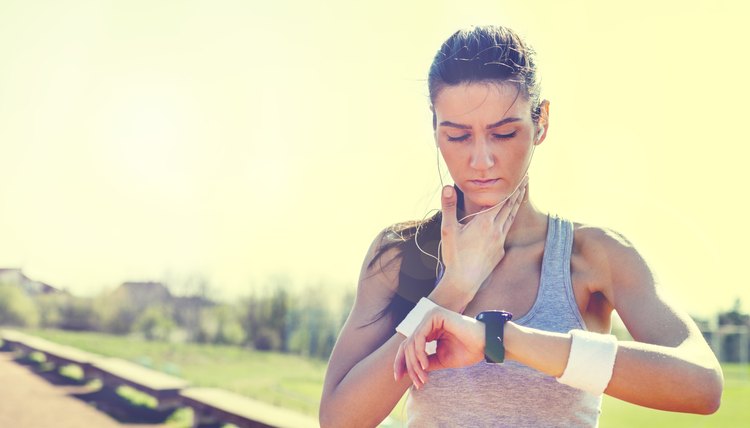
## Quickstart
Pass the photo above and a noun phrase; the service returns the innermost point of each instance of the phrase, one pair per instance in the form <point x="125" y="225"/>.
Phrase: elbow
<point x="709" y="405"/>
<point x="328" y="417"/>
<point x="324" y="419"/>
<point x="711" y="388"/>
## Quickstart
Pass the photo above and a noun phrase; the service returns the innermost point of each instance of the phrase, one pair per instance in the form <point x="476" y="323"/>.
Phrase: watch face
<point x="495" y="316"/>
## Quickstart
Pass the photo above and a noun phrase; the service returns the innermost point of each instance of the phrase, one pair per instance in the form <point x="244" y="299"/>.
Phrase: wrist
<point x="513" y="337"/>
<point x="451" y="293"/>
<point x="494" y="339"/>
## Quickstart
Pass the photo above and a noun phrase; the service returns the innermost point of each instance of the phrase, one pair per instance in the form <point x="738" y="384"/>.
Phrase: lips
<point x="484" y="183"/>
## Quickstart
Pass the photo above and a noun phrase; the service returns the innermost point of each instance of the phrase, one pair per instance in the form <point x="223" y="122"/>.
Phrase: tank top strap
<point x="555" y="308"/>
<point x="557" y="248"/>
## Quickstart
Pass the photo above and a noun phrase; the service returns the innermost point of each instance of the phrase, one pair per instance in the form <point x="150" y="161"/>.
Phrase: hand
<point x="460" y="343"/>
<point x="471" y="251"/>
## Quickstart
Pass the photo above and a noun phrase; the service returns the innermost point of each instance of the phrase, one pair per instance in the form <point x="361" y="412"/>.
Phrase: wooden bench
<point x="114" y="372"/>
<point x="11" y="339"/>
<point x="60" y="355"/>
<point x="56" y="354"/>
<point x="212" y="406"/>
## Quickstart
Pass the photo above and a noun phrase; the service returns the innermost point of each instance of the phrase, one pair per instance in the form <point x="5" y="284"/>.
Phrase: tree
<point x="16" y="308"/>
<point x="154" y="323"/>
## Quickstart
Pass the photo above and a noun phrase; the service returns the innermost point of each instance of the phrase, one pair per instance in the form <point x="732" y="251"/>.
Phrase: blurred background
<point x="214" y="172"/>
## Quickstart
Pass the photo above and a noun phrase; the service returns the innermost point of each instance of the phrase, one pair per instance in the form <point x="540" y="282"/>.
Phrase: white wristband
<point x="414" y="317"/>
<point x="591" y="361"/>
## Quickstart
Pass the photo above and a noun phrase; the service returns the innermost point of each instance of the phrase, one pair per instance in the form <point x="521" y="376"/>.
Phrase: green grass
<point x="296" y="383"/>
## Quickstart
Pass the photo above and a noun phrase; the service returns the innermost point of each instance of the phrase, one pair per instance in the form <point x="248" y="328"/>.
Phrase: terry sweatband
<point x="414" y="317"/>
<point x="591" y="361"/>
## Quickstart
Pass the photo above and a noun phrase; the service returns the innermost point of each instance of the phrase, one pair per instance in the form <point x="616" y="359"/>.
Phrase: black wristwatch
<point x="494" y="325"/>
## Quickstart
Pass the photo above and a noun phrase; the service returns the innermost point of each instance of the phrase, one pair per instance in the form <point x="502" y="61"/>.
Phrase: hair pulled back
<point x="492" y="54"/>
<point x="486" y="54"/>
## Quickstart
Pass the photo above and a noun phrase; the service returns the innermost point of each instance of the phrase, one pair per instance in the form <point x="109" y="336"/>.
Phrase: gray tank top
<point x="512" y="394"/>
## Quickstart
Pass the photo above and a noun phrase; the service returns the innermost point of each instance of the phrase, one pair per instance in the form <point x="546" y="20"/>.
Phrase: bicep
<point x="368" y="326"/>
<point x="646" y="311"/>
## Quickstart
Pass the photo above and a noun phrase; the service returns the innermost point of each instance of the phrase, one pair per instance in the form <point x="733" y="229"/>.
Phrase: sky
<point x="239" y="140"/>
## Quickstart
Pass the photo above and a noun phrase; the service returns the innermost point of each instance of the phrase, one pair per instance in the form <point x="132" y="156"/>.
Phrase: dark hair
<point x="476" y="54"/>
<point x="487" y="53"/>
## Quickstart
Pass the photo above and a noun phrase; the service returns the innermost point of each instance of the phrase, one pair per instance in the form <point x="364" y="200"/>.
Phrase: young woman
<point x="491" y="249"/>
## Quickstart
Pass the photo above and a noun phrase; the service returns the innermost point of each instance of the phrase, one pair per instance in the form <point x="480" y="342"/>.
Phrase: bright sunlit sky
<point x="149" y="140"/>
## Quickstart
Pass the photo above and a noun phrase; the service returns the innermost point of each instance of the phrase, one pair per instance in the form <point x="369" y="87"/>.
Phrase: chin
<point x="484" y="200"/>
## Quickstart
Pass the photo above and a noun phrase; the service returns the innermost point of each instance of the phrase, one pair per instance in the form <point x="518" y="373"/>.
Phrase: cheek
<point x="518" y="152"/>
<point x="451" y="154"/>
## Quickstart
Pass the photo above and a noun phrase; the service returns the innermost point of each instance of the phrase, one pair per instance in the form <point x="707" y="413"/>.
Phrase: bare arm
<point x="359" y="388"/>
<point x="668" y="367"/>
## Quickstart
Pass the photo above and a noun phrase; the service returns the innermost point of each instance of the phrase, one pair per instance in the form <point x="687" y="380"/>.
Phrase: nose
<point x="481" y="155"/>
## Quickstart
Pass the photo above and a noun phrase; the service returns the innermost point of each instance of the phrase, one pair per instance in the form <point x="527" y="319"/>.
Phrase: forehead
<point x="481" y="102"/>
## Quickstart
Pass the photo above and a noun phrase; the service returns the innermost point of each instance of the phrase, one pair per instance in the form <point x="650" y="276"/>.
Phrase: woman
<point x="497" y="251"/>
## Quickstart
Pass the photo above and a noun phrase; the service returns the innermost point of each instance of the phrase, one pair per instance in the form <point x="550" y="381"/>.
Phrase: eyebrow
<point x="490" y="126"/>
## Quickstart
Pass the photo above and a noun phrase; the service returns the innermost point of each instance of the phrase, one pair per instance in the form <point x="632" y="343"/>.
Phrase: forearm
<point x="644" y="374"/>
<point x="664" y="378"/>
<point x="452" y="293"/>
<point x="368" y="393"/>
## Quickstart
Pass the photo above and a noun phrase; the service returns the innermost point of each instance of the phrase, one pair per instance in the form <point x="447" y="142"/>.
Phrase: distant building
<point x="143" y="294"/>
<point x="31" y="287"/>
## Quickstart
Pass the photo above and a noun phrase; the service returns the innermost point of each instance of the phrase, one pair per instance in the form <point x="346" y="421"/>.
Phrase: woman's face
<point x="485" y="134"/>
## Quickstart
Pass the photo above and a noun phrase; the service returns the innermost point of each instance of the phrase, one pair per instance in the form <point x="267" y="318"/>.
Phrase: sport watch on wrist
<point x="494" y="325"/>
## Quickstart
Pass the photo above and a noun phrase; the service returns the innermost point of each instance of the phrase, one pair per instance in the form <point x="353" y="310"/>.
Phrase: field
<point x="296" y="383"/>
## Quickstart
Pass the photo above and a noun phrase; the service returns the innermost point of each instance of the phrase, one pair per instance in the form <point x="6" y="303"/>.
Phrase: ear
<point x="434" y="124"/>
<point x="543" y="124"/>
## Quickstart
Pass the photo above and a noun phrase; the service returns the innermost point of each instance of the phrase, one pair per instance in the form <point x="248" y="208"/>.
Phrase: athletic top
<point x="512" y="394"/>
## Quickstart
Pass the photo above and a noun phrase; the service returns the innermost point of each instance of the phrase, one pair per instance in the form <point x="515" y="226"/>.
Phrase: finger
<point x="448" y="201"/>
<point x="417" y="355"/>
<point x="435" y="362"/>
<point x="411" y="361"/>
<point x="505" y="210"/>
<point x="419" y="347"/>
<point x="496" y="211"/>
<point x="420" y="361"/>
<point x="512" y="216"/>
<point x="399" y="363"/>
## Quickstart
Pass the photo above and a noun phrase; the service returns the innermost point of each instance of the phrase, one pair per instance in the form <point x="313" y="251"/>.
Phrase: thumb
<point x="448" y="201"/>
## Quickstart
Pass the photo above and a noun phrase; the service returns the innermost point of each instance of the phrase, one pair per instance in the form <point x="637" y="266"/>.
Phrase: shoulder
<point x="397" y="250"/>
<point x="603" y="241"/>
<point x="384" y="255"/>
<point x="382" y="262"/>
<point x="616" y="262"/>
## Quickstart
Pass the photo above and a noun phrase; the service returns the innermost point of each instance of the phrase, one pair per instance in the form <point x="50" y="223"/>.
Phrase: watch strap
<point x="494" y="326"/>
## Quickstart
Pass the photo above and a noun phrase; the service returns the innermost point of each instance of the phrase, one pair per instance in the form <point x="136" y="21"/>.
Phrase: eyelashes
<point x="495" y="136"/>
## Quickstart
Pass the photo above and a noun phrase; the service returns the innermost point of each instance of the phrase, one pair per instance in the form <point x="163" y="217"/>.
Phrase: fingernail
<point x="448" y="192"/>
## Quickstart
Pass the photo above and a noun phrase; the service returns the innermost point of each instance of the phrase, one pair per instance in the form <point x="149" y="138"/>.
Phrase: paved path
<point x="29" y="401"/>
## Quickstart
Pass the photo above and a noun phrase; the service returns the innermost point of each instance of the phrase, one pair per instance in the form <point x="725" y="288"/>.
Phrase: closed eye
<point x="459" y="138"/>
<point x="504" y="136"/>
